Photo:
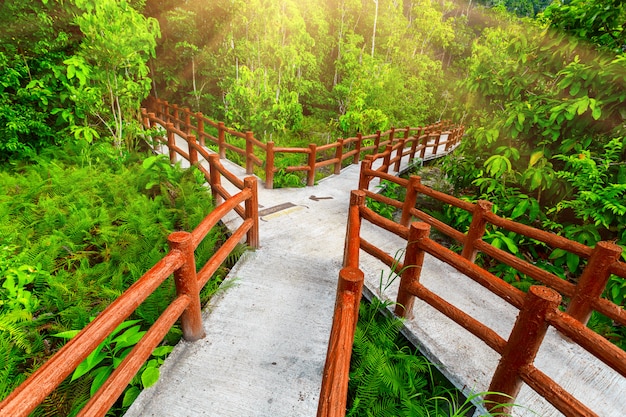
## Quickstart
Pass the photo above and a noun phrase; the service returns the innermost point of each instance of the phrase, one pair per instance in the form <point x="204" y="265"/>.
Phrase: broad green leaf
<point x="535" y="180"/>
<point x="162" y="350"/>
<point x="69" y="334"/>
<point x="130" y="396"/>
<point x="129" y="338"/>
<point x="100" y="376"/>
<point x="572" y="261"/>
<point x="149" y="377"/>
<point x="71" y="71"/>
<point x="520" y="209"/>
<point x="536" y="156"/>
<point x="558" y="253"/>
<point x="510" y="243"/>
<point x="596" y="113"/>
<point x="90" y="363"/>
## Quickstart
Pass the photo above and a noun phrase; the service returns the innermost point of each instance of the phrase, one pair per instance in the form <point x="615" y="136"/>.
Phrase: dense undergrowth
<point x="79" y="225"/>
<point x="389" y="377"/>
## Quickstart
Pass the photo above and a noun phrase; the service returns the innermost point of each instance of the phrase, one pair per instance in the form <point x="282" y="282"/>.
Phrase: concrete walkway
<point x="268" y="329"/>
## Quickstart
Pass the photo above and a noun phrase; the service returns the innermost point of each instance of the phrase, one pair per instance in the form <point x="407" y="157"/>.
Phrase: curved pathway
<point x="267" y="330"/>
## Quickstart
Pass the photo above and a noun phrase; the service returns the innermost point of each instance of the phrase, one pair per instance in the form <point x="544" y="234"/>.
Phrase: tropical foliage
<point x="546" y="143"/>
<point x="280" y="67"/>
<point x="389" y="377"/>
<point x="73" y="68"/>
<point x="79" y="225"/>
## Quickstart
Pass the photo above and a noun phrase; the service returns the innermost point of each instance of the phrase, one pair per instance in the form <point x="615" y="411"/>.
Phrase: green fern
<point x="388" y="377"/>
<point x="83" y="215"/>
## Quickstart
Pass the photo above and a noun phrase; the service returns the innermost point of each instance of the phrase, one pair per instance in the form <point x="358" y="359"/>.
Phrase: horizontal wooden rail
<point x="216" y="170"/>
<point x="539" y="308"/>
<point x="180" y="261"/>
<point x="409" y="141"/>
<point x="44" y="380"/>
<point x="335" y="378"/>
<point x="472" y="243"/>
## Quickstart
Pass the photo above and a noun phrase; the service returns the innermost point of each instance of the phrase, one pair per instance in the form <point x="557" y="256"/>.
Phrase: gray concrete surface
<point x="267" y="330"/>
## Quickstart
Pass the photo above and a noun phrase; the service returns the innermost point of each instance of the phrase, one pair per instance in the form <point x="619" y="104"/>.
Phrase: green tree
<point x="34" y="40"/>
<point x="110" y="70"/>
<point x="598" y="21"/>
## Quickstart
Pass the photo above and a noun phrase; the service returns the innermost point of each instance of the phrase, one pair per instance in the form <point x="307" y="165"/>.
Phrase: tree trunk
<point x="374" y="31"/>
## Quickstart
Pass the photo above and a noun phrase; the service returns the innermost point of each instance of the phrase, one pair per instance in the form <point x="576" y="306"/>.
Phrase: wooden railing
<point x="423" y="142"/>
<point x="180" y="261"/>
<point x="539" y="308"/>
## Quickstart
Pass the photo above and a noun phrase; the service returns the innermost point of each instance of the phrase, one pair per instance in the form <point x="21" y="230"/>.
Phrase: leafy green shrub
<point x="79" y="226"/>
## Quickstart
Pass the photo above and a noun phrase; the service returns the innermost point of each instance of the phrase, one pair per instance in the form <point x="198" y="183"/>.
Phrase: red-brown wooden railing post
<point x="450" y="139"/>
<point x="352" y="245"/>
<point x="151" y="117"/>
<point x="166" y="112"/>
<point x="187" y="120"/>
<point x="311" y="162"/>
<point x="216" y="178"/>
<point x="193" y="152"/>
<point x="387" y="158"/>
<point x="398" y="163"/>
<point x="437" y="139"/>
<point x="171" y="142"/>
<point x="377" y="141"/>
<point x="252" y="212"/>
<point x="175" y="115"/>
<point x="476" y="229"/>
<point x="187" y="284"/>
<point x="593" y="280"/>
<point x="416" y="140"/>
<point x="364" y="177"/>
<point x="338" y="156"/>
<point x="144" y="117"/>
<point x="249" y="153"/>
<point x="359" y="143"/>
<point x="413" y="261"/>
<point x="334" y="390"/>
<point x="200" y="123"/>
<point x="521" y="348"/>
<point x="425" y="139"/>
<point x="221" y="133"/>
<point x="392" y="135"/>
<point x="269" y="165"/>
<point x="155" y="140"/>
<point x="410" y="199"/>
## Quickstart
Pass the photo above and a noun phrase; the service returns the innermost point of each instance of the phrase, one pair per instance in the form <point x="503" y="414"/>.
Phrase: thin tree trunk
<point x="374" y="31"/>
<point x="193" y="80"/>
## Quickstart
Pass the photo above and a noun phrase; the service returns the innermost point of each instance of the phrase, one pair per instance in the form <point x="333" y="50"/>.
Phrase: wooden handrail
<point x="180" y="261"/>
<point x="538" y="309"/>
<point x="402" y="141"/>
<point x="333" y="398"/>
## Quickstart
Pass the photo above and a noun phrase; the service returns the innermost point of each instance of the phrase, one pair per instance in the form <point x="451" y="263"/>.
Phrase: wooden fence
<point x="539" y="308"/>
<point x="180" y="261"/>
<point x="423" y="142"/>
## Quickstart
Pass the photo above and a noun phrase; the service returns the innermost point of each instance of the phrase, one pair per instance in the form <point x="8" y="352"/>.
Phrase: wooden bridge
<point x="260" y="347"/>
